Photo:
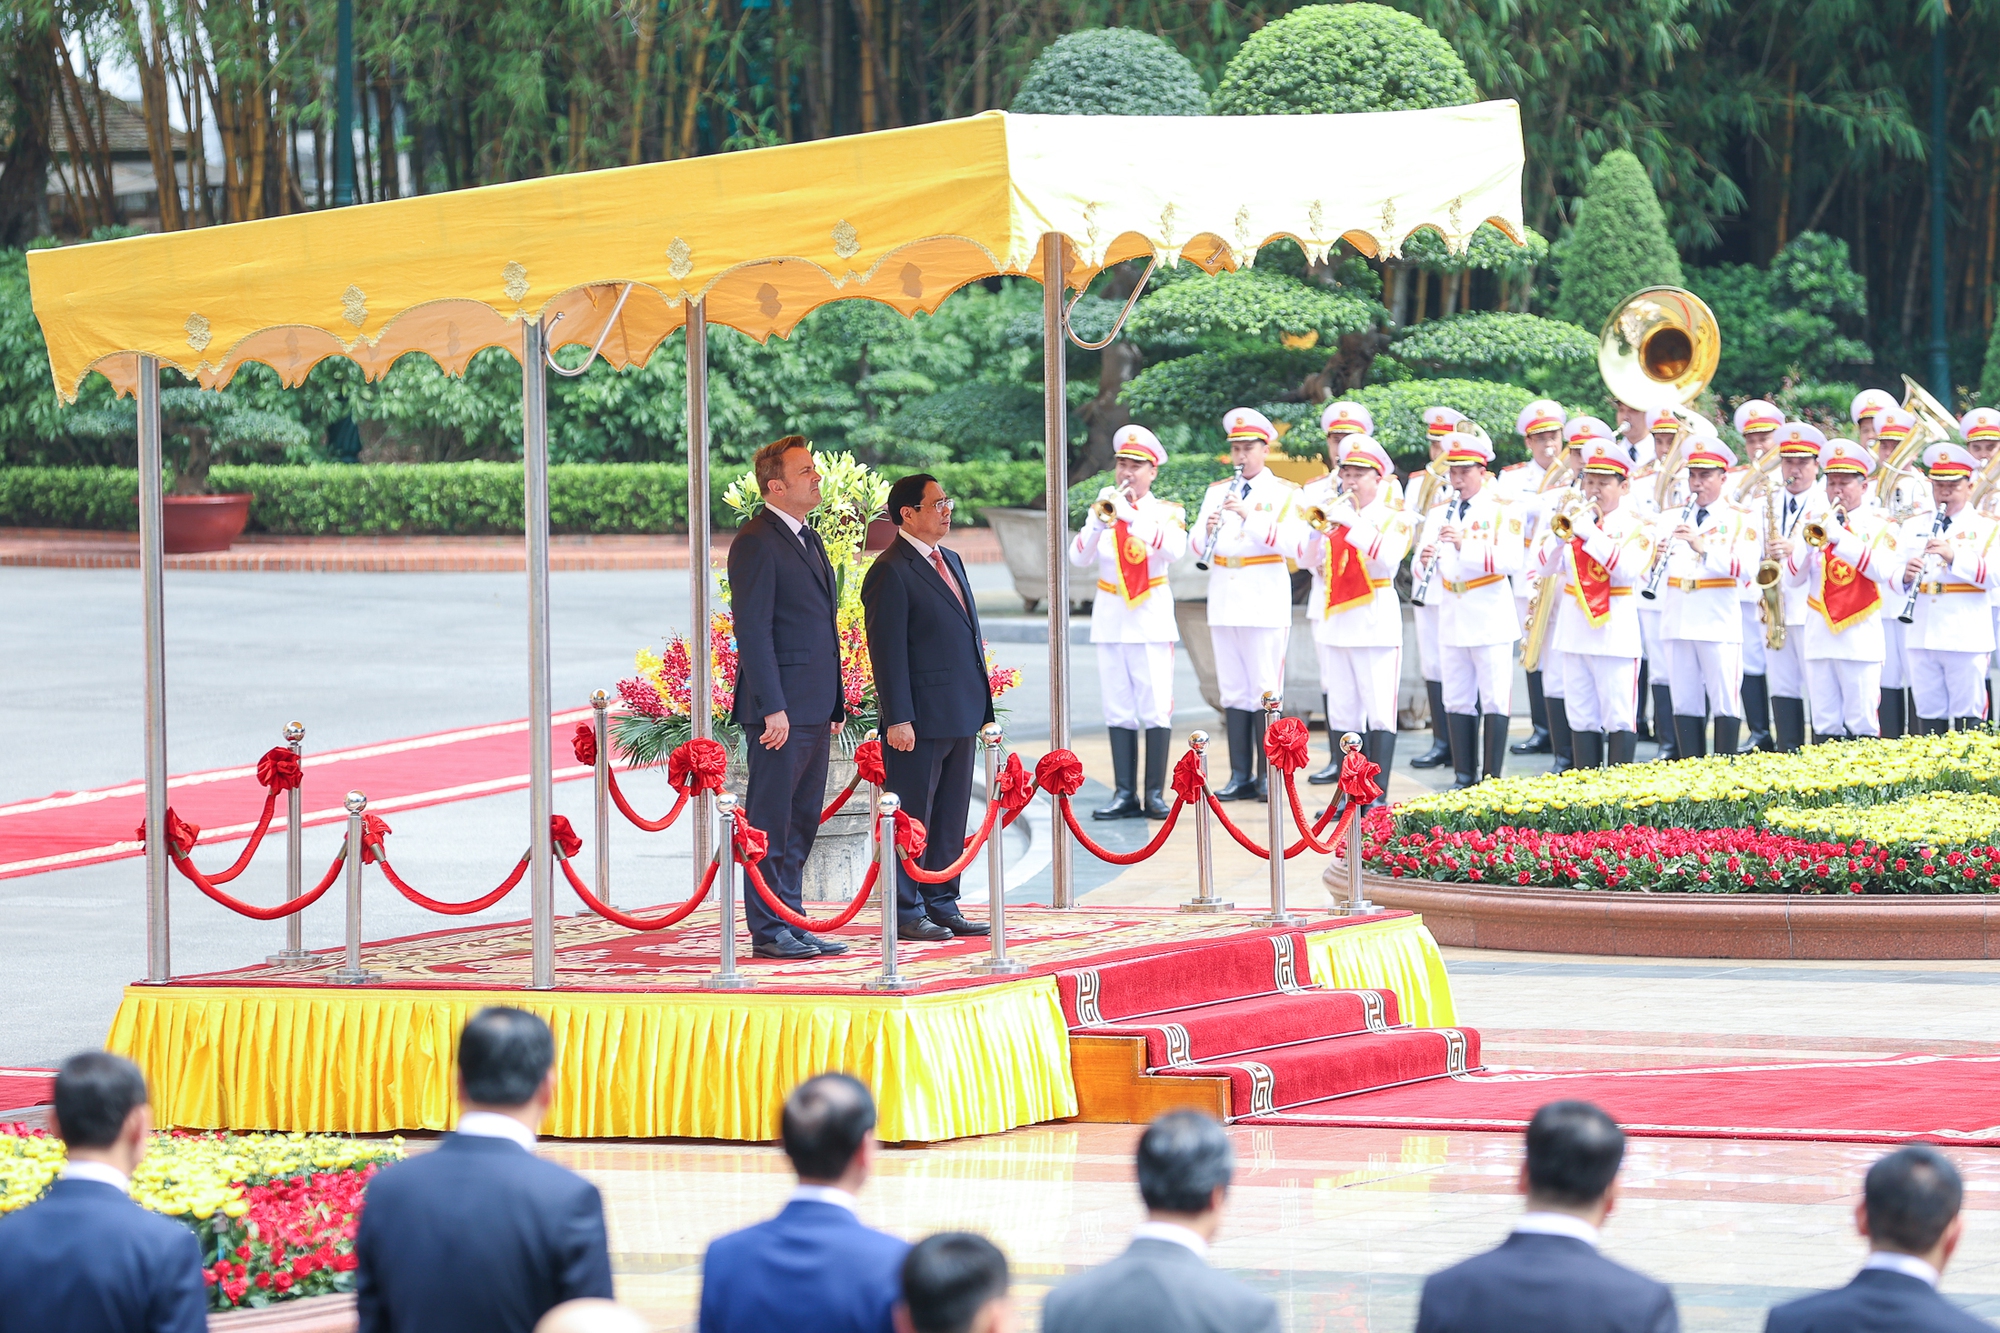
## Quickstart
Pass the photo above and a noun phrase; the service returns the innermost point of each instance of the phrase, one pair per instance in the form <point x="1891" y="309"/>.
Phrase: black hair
<point x="825" y="1120"/>
<point x="95" y="1093"/>
<point x="1573" y="1153"/>
<point x="1183" y="1157"/>
<point x="907" y="493"/>
<point x="503" y="1055"/>
<point x="949" y="1278"/>
<point x="1911" y="1195"/>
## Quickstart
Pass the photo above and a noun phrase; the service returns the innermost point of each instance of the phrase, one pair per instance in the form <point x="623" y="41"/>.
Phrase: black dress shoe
<point x="1125" y="804"/>
<point x="819" y="942"/>
<point x="1331" y="773"/>
<point x="787" y="946"/>
<point x="958" y="925"/>
<point x="1538" y="741"/>
<point x="921" y="929"/>
<point x="1156" y="805"/>
<point x="1237" y="789"/>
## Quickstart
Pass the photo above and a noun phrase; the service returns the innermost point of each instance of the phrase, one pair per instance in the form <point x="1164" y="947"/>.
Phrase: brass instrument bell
<point x="1660" y="348"/>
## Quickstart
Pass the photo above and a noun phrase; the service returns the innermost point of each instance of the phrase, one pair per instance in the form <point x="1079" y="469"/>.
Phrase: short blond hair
<point x="770" y="460"/>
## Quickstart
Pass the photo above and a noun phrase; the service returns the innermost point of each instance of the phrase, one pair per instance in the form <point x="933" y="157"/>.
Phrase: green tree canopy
<point x="1491" y="340"/>
<point x="1332" y="59"/>
<point x="1111" y="72"/>
<point x="1618" y="246"/>
<point x="1245" y="308"/>
<point x="1791" y="322"/>
<point x="1398" y="410"/>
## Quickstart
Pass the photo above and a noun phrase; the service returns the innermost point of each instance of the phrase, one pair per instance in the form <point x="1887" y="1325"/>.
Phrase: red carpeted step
<point x="1230" y="970"/>
<point x="1291" y="1076"/>
<point x="1232" y="1027"/>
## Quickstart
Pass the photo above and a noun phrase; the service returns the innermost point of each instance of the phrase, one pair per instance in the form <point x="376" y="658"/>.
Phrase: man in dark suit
<point x="814" y="1268"/>
<point x="1162" y="1283"/>
<point x="782" y="595"/>
<point x="934" y="693"/>
<point x="1548" y="1275"/>
<point x="1909" y="1213"/>
<point x="84" y="1258"/>
<point x="479" y="1235"/>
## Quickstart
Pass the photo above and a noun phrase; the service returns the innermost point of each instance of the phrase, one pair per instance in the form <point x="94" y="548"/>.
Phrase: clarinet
<point x="1658" y="574"/>
<point x="1420" y="594"/>
<point x="1215" y="519"/>
<point x="1909" y="611"/>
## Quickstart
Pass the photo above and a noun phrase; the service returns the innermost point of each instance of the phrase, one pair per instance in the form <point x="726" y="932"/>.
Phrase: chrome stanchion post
<point x="886" y="895"/>
<point x="351" y="973"/>
<point x="1204" y="899"/>
<point x="997" y="964"/>
<point x="153" y="595"/>
<point x="1055" y="461"/>
<point x="1277" y="916"/>
<point x="294" y="953"/>
<point x="725" y="976"/>
<point x="541" y="796"/>
<point x="701" y="716"/>
<point x="1357" y="903"/>
<point x="599" y="702"/>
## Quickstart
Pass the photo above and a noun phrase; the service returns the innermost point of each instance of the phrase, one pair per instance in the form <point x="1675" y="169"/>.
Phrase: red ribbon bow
<point x="868" y="763"/>
<point x="1357" y="777"/>
<point x="1188" y="781"/>
<point x="911" y="836"/>
<point x="698" y="766"/>
<point x="279" y="769"/>
<point x="181" y="835"/>
<point x="1060" y="773"/>
<point x="1013" y="790"/>
<point x="374" y="828"/>
<point x="584" y="743"/>
<point x="567" y="844"/>
<point x="751" y="842"/>
<point x="1288" y="745"/>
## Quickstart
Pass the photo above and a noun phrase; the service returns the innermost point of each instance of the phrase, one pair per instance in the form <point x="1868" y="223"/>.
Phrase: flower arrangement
<point x="275" y="1213"/>
<point x="1934" y="819"/>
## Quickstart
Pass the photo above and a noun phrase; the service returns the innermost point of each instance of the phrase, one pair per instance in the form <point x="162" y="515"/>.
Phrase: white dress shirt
<point x="99" y="1172"/>
<point x="1173" y="1234"/>
<point x="1557" y="1224"/>
<point x="795" y="524"/>
<point x="493" y="1125"/>
<point x="928" y="552"/>
<point x="1906" y="1264"/>
<point x="839" y="1198"/>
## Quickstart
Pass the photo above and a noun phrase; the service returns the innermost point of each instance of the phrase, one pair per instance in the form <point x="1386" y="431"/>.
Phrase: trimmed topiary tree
<point x="1111" y="72"/>
<point x="1618" y="245"/>
<point x="1333" y="59"/>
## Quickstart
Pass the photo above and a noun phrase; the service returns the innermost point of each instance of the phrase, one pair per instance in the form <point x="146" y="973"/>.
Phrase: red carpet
<point x="1938" y="1098"/>
<point x="22" y="1088"/>
<point x="82" y="828"/>
<point x="1246" y="1009"/>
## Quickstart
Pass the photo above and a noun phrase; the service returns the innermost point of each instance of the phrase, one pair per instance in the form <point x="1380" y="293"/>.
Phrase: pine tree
<point x="1618" y="245"/>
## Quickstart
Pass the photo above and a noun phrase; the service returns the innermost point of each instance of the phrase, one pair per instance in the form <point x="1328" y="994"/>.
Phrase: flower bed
<point x="275" y="1213"/>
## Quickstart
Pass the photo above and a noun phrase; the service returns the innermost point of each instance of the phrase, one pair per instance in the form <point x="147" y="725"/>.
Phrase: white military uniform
<point x="1947" y="643"/>
<point x="1249" y="586"/>
<point x="1787" y="665"/>
<point x="1701" y="621"/>
<point x="1600" y="661"/>
<point x="1135" y="636"/>
<point x="1980" y="425"/>
<point x="1477" y="622"/>
<point x="1360" y="647"/>
<point x="1643" y="497"/>
<point x="1844" y="659"/>
<point x="1536" y="496"/>
<point x="1908" y="498"/>
<point x="1427" y="493"/>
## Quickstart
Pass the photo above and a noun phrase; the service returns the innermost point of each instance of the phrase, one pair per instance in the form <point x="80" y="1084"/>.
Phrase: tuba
<point x="1934" y="423"/>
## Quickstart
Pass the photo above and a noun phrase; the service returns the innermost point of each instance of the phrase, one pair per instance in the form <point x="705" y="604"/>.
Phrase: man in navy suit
<point x="1909" y="1213"/>
<point x="84" y="1258"/>
<point x="814" y="1268"/>
<point x="479" y="1235"/>
<point x="783" y="597"/>
<point x="1548" y="1275"/>
<point x="934" y="692"/>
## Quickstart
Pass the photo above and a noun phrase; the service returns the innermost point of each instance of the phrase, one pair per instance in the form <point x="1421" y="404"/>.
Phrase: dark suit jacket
<point x="787" y="643"/>
<point x="1157" y="1286"/>
<point x="927" y="650"/>
<point x="814" y="1268"/>
<point x="1877" y="1301"/>
<point x="86" y="1259"/>
<point x="1554" y="1284"/>
<point x="476" y="1236"/>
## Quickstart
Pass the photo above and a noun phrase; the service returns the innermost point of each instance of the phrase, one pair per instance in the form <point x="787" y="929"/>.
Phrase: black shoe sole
<point x="1107" y="816"/>
<point x="759" y="951"/>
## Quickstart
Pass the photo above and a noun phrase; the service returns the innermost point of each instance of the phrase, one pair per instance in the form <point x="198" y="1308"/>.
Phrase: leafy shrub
<point x="977" y="420"/>
<point x="1183" y="479"/>
<point x="1618" y="246"/>
<point x="1111" y="72"/>
<point x="1488" y="251"/>
<point x="1249" y="308"/>
<point x="1788" y="321"/>
<point x="1399" y="422"/>
<point x="1194" y="391"/>
<point x="1330" y="59"/>
<point x="1989" y="378"/>
<point x="1489" y="341"/>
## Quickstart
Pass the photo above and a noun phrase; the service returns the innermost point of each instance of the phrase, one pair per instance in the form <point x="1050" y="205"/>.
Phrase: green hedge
<point x="440" y="498"/>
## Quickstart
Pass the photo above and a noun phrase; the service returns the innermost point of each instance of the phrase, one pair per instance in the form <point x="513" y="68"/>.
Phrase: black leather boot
<point x="1889" y="714"/>
<point x="1689" y="740"/>
<point x="1331" y="773"/>
<point x="1236" y="721"/>
<point x="1756" y="713"/>
<point x="1380" y="746"/>
<point x="1496" y="743"/>
<point x="1664" y="726"/>
<point x="1644" y="726"/>
<point x="1560" y="737"/>
<point x="1727" y="729"/>
<point x="1932" y="726"/>
<point x="1125" y="776"/>
<point x="1620" y="747"/>
<point x="1159" y="749"/>
<point x="1540" y="739"/>
<point x="1587" y="747"/>
<point x="1965" y="724"/>
<point x="1464" y="729"/>
<point x="1440" y="751"/>
<point x="1260" y="763"/>
<point x="1788" y="723"/>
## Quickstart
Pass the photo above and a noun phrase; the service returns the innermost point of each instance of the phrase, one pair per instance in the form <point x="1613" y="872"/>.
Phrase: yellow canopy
<point x="905" y="217"/>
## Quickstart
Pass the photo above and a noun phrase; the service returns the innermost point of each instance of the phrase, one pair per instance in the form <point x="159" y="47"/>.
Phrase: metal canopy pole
<point x="153" y="591"/>
<point x="541" y="805"/>
<point x="1055" y="437"/>
<point x="700" y="688"/>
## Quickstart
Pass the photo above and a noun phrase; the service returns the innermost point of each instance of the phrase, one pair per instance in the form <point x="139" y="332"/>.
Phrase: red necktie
<point x="937" y="558"/>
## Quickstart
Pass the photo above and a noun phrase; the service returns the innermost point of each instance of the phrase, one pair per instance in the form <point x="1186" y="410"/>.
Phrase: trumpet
<point x="1105" y="510"/>
<point x="1820" y="534"/>
<point x="1326" y="520"/>
<point x="1563" y="525"/>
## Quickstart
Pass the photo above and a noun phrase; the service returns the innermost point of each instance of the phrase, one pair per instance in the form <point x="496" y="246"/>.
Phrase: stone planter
<point x="1302" y="693"/>
<point x="840" y="853"/>
<point x="1023" y="535"/>
<point x="195" y="523"/>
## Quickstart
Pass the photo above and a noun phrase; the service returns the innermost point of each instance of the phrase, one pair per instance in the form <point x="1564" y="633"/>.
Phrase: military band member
<point x="1981" y="429"/>
<point x="1530" y="483"/>
<point x="1243" y="532"/>
<point x="1886" y="428"/>
<point x="1866" y="407"/>
<point x="1711" y="550"/>
<point x="1341" y="422"/>
<point x="1427" y="493"/>
<point x="1945" y="556"/>
<point x="1597" y="623"/>
<point x="1847" y="579"/>
<point x="1659" y="484"/>
<point x="1798" y="494"/>
<point x="1475" y="542"/>
<point x="1358" y="628"/>
<point x="1756" y="421"/>
<point x="1132" y="620"/>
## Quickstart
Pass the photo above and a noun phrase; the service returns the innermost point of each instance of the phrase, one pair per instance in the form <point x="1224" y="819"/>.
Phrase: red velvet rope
<point x="673" y="916"/>
<point x="803" y="922"/>
<point x="374" y="829"/>
<point x="1305" y="827"/>
<point x="833" y="806"/>
<point x="1121" y="858"/>
<point x="1242" y="839"/>
<point x="241" y="908"/>
<point x="639" y="821"/>
<point x="956" y="868"/>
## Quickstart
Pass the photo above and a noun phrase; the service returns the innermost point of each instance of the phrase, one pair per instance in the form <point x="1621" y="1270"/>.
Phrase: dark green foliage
<point x="978" y="420"/>
<point x="1111" y="72"/>
<point x="1786" y="322"/>
<point x="1989" y="378"/>
<point x="1194" y="391"/>
<point x="1488" y="251"/>
<point x="1399" y="422"/>
<point x="1618" y="246"/>
<point x="1331" y="59"/>
<point x="196" y="425"/>
<point x="981" y="486"/>
<point x="1489" y="341"/>
<point x="1246" y="309"/>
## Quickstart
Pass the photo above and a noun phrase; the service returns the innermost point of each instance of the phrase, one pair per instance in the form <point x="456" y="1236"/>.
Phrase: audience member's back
<point x="479" y="1234"/>
<point x="1548" y="1275"/>
<point x="814" y="1268"/>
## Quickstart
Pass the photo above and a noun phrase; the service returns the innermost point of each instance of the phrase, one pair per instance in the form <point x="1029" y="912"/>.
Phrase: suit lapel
<point x="936" y="580"/>
<point x="800" y="547"/>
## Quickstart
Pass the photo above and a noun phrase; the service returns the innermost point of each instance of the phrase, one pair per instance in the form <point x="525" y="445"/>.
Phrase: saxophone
<point x="1771" y="603"/>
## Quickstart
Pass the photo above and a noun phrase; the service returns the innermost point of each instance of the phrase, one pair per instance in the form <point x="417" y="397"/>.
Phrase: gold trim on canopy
<point x="763" y="237"/>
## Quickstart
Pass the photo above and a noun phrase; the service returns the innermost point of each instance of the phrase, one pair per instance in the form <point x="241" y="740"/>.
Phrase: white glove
<point x="1124" y="508"/>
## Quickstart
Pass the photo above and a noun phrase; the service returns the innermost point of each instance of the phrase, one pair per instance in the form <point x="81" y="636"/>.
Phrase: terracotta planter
<point x="192" y="523"/>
